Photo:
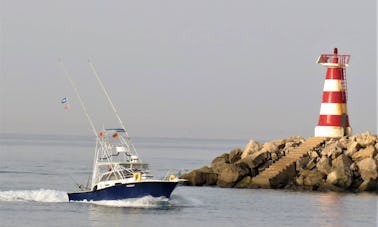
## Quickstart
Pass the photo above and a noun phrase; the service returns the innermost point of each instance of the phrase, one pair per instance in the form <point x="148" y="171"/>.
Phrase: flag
<point x="64" y="101"/>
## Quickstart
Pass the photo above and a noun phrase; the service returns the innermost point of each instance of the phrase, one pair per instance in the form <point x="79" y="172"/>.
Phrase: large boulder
<point x="368" y="169"/>
<point x="230" y="174"/>
<point x="302" y="163"/>
<point x="274" y="156"/>
<point x="291" y="143"/>
<point x="235" y="155"/>
<point x="366" y="139"/>
<point x="352" y="148"/>
<point x="311" y="164"/>
<point x="312" y="178"/>
<point x="275" y="145"/>
<point x="199" y="177"/>
<point x="220" y="162"/>
<point x="294" y="141"/>
<point x="340" y="175"/>
<point x="324" y="165"/>
<point x="265" y="165"/>
<point x="245" y="167"/>
<point x="245" y="182"/>
<point x="368" y="152"/>
<point x="251" y="147"/>
<point x="313" y="154"/>
<point x="343" y="142"/>
<point x="369" y="185"/>
<point x="332" y="149"/>
<point x="255" y="159"/>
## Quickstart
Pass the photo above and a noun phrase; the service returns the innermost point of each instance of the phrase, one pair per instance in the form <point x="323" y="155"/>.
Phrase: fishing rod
<point x="79" y="186"/>
<point x="110" y="102"/>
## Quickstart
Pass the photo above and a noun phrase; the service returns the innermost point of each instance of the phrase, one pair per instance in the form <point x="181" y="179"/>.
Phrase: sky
<point x="193" y="69"/>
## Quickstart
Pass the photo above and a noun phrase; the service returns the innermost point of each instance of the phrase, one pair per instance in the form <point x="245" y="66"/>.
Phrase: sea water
<point x="36" y="172"/>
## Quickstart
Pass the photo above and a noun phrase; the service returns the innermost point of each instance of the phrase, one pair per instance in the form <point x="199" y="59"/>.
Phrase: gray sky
<point x="211" y="69"/>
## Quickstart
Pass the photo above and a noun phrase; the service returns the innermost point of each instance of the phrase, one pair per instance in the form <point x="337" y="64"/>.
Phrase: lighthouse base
<point x="332" y="131"/>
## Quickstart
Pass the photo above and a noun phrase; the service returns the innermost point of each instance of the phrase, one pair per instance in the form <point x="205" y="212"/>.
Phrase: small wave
<point x="15" y="172"/>
<point x="41" y="195"/>
<point x="144" y="202"/>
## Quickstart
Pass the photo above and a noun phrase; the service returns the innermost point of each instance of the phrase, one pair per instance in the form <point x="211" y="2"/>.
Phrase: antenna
<point x="67" y="74"/>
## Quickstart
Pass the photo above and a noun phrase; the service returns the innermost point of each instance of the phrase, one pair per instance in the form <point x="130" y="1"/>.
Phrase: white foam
<point x="41" y="195"/>
<point x="144" y="202"/>
<point x="54" y="196"/>
<point x="179" y="201"/>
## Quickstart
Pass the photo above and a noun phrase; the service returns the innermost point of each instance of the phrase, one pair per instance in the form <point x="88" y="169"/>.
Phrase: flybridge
<point x="115" y="130"/>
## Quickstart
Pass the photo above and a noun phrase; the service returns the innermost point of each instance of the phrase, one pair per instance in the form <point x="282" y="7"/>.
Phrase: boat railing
<point x="175" y="172"/>
<point x="127" y="165"/>
<point x="120" y="170"/>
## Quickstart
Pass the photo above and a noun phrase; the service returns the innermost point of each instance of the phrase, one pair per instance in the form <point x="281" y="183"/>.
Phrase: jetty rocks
<point x="349" y="163"/>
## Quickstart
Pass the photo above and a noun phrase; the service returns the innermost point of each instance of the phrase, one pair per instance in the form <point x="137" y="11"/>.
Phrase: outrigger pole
<point x="110" y="102"/>
<point x="106" y="94"/>
<point x="79" y="97"/>
<point x="67" y="74"/>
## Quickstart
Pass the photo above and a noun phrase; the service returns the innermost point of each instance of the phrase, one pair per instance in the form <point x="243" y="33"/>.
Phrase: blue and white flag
<point x="64" y="100"/>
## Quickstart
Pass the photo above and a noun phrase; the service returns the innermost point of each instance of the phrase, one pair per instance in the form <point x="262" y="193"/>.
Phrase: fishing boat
<point x="118" y="172"/>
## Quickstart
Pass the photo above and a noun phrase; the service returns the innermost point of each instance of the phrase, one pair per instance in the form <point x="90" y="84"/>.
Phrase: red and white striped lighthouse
<point x="333" y="119"/>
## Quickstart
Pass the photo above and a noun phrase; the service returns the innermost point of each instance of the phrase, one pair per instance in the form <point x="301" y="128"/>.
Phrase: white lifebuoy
<point x="137" y="176"/>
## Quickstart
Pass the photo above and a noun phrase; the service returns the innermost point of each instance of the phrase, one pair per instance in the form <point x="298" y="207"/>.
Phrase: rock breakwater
<point x="348" y="163"/>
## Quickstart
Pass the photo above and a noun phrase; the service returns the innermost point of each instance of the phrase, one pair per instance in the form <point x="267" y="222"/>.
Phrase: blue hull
<point x="126" y="191"/>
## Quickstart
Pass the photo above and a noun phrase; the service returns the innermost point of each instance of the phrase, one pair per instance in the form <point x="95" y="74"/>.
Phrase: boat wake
<point x="144" y="202"/>
<point x="181" y="201"/>
<point x="41" y="195"/>
<point x="54" y="196"/>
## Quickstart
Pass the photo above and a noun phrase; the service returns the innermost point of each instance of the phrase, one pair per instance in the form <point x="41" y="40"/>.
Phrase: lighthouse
<point x="333" y="119"/>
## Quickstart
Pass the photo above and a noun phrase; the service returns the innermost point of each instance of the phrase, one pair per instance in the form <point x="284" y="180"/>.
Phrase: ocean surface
<point x="36" y="171"/>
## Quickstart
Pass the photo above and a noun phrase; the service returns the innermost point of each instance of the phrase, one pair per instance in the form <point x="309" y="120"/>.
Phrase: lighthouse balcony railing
<point x="333" y="60"/>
